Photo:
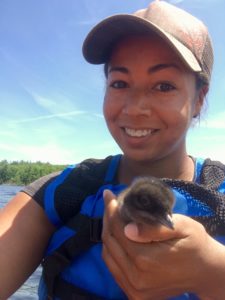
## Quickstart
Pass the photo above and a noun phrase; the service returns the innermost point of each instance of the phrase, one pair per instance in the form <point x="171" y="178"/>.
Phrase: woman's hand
<point x="156" y="262"/>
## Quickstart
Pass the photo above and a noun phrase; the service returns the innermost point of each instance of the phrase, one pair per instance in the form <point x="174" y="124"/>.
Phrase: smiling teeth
<point x="137" y="133"/>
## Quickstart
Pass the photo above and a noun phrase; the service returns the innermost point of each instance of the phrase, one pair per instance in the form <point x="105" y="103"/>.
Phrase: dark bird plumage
<point x="147" y="200"/>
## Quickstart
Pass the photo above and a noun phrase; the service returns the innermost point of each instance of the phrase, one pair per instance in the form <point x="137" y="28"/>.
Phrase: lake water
<point x="29" y="290"/>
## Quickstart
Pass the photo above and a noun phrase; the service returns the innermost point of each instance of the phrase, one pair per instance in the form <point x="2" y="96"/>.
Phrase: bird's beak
<point x="166" y="221"/>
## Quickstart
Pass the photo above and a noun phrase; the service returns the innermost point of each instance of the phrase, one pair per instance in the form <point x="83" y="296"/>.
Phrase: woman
<point x="158" y="65"/>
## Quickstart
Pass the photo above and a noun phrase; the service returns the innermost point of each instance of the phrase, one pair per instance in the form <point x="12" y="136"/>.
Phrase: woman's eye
<point x="119" y="84"/>
<point x="164" y="87"/>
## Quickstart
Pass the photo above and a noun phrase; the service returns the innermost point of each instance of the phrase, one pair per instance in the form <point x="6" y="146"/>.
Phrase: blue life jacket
<point x="73" y="267"/>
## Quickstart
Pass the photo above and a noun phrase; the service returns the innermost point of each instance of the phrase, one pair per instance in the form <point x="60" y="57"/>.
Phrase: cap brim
<point x="99" y="42"/>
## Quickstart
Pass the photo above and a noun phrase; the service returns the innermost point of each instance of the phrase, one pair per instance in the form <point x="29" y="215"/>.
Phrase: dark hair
<point x="201" y="80"/>
<point x="105" y="68"/>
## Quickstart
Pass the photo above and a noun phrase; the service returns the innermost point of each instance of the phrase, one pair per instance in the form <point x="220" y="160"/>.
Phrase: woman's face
<point x="150" y="99"/>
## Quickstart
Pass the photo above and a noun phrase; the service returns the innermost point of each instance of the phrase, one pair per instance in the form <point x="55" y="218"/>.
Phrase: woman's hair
<point x="105" y="68"/>
<point x="201" y="81"/>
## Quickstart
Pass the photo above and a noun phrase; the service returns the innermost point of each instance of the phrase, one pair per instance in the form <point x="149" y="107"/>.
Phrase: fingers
<point x="123" y="268"/>
<point x="111" y="220"/>
<point x="144" y="233"/>
<point x="115" y="246"/>
<point x="110" y="227"/>
<point x="114" y="256"/>
<point x="108" y="197"/>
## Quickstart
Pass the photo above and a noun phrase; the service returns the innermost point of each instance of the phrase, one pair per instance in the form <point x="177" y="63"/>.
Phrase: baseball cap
<point x="186" y="34"/>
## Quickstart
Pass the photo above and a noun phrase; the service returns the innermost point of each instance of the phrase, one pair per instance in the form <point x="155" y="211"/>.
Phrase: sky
<point x="51" y="98"/>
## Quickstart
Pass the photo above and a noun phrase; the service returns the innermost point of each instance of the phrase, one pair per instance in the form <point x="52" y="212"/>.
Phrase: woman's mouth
<point x="139" y="132"/>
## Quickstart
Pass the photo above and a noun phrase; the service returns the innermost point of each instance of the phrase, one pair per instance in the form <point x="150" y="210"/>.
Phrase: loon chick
<point x="147" y="200"/>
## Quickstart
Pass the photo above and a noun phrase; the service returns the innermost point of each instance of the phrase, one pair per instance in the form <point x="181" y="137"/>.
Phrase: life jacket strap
<point x="87" y="234"/>
<point x="66" y="291"/>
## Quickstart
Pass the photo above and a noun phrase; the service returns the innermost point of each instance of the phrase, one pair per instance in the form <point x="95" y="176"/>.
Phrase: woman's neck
<point x="178" y="168"/>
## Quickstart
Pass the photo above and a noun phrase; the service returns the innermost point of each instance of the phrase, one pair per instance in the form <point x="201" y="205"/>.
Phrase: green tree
<point x="23" y="173"/>
<point x="3" y="171"/>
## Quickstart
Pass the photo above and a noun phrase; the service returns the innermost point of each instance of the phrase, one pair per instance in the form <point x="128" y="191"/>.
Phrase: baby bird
<point x="147" y="200"/>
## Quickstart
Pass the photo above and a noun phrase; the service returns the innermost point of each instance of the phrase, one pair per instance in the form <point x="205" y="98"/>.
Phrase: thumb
<point x="109" y="198"/>
<point x="145" y="233"/>
<point x="110" y="210"/>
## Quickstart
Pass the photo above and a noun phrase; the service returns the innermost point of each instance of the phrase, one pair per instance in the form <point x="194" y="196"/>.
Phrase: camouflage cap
<point x="186" y="34"/>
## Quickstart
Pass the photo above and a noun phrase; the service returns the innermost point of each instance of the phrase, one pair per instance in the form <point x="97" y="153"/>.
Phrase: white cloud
<point x="54" y="103"/>
<point x="51" y="153"/>
<point x="43" y="101"/>
<point x="46" y="153"/>
<point x="60" y="115"/>
<point x="56" y="153"/>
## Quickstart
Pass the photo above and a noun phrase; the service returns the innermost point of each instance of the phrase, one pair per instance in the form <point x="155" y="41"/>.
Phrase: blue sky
<point x="51" y="99"/>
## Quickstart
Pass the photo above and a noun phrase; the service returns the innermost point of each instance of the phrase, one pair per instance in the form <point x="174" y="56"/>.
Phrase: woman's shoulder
<point x="36" y="189"/>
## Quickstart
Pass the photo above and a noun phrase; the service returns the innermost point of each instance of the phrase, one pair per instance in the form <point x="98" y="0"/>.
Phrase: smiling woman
<point x="158" y="64"/>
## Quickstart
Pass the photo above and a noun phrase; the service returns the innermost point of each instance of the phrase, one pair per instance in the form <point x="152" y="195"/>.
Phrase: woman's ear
<point x="201" y="94"/>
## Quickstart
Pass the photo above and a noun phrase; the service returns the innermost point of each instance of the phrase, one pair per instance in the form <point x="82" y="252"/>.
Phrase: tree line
<point x="23" y="173"/>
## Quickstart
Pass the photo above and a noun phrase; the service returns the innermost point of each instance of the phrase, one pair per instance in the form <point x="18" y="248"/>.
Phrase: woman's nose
<point x="137" y="103"/>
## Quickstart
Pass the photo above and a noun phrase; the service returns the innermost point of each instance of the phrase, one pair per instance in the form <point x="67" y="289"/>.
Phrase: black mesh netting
<point x="207" y="196"/>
